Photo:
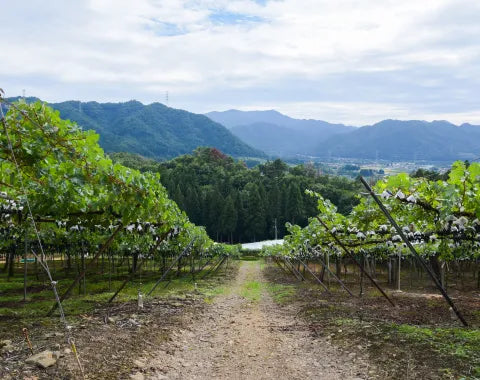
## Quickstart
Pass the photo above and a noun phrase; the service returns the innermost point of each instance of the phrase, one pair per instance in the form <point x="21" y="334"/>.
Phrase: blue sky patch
<point x="231" y="18"/>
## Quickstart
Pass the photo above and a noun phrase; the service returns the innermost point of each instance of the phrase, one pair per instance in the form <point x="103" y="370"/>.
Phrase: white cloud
<point x="399" y="58"/>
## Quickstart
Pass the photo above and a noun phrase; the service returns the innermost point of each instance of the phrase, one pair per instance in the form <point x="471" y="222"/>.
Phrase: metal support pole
<point x="171" y="266"/>
<point x="82" y="274"/>
<point x="316" y="278"/>
<point x="279" y="265"/>
<point x="352" y="256"/>
<point x="295" y="271"/>
<point x="289" y="269"/>
<point x="218" y="263"/>
<point x="414" y="252"/>
<point x="201" y="268"/>
<point x="335" y="277"/>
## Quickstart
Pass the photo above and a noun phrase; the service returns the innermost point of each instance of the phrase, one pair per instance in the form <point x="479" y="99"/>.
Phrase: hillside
<point x="394" y="140"/>
<point x="233" y="118"/>
<point x="278" y="134"/>
<point x="272" y="139"/>
<point x="153" y="130"/>
<point x="241" y="204"/>
<point x="406" y="141"/>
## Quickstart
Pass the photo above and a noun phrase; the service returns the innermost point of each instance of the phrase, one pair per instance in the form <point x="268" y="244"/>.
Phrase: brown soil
<point x="242" y="335"/>
<point x="240" y="338"/>
<point x="368" y="324"/>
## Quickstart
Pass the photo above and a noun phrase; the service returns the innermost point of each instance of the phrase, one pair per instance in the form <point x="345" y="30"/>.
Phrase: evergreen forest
<point x="240" y="204"/>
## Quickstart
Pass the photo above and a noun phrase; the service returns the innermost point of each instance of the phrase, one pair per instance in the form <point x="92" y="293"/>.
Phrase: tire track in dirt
<point x="237" y="337"/>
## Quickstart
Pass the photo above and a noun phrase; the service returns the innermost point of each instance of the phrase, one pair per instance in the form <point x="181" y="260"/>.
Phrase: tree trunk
<point x="134" y="261"/>
<point x="11" y="262"/>
<point x="338" y="266"/>
<point x="322" y="273"/>
<point x="435" y="265"/>
<point x="442" y="275"/>
<point x="103" y="263"/>
<point x="179" y="267"/>
<point x="327" y="263"/>
<point x="69" y="262"/>
<point x="390" y="271"/>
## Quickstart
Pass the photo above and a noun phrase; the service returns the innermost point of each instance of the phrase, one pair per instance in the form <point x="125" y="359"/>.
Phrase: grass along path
<point x="244" y="334"/>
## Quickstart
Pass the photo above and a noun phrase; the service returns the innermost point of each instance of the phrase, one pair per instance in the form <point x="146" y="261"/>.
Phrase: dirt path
<point x="243" y="334"/>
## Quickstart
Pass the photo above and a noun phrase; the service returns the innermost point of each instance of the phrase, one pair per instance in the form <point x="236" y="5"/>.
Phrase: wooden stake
<point x="25" y="332"/>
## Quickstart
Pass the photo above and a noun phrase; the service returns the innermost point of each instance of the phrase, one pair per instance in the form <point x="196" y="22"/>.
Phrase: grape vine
<point x="440" y="218"/>
<point x="80" y="200"/>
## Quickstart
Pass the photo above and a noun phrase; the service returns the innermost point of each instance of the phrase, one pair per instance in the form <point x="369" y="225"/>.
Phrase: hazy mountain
<point x="278" y="134"/>
<point x="271" y="138"/>
<point x="153" y="130"/>
<point x="161" y="132"/>
<point x="394" y="140"/>
<point x="407" y="141"/>
<point x="233" y="118"/>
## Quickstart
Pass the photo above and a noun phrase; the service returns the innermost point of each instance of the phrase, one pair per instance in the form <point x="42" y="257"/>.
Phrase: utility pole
<point x="166" y="98"/>
<point x="23" y="94"/>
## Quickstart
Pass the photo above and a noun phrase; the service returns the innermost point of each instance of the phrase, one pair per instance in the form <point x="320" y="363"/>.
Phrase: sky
<point x="348" y="61"/>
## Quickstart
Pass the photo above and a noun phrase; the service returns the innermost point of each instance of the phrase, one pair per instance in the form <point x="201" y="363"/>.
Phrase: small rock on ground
<point x="43" y="359"/>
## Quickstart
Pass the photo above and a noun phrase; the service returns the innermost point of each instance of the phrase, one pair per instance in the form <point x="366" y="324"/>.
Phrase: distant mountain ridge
<point x="153" y="130"/>
<point x="395" y="140"/>
<point x="278" y="134"/>
<point x="160" y="132"/>
<point x="411" y="140"/>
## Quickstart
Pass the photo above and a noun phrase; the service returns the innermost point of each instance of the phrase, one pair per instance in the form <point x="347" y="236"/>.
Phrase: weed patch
<point x="252" y="290"/>
<point x="281" y="293"/>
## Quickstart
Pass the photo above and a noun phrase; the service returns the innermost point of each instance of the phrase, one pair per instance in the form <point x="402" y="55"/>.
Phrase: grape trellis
<point x="81" y="201"/>
<point x="61" y="195"/>
<point x="440" y="220"/>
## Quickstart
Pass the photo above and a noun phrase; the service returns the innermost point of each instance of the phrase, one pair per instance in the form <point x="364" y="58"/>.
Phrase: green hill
<point x="153" y="130"/>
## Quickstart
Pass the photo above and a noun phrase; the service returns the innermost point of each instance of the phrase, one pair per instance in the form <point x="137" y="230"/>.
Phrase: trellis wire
<point x="415" y="253"/>
<point x="43" y="263"/>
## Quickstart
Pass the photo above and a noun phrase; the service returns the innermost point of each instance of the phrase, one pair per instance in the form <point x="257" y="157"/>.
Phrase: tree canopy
<point x="207" y="183"/>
